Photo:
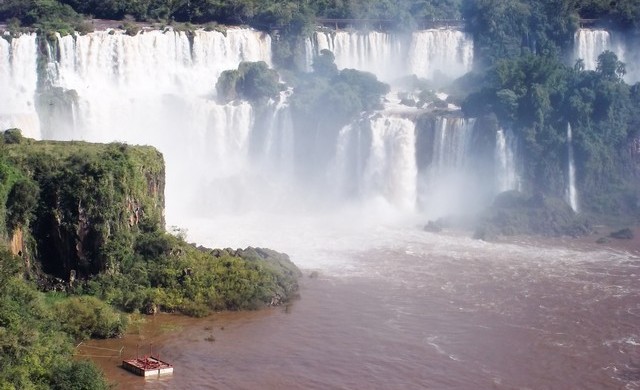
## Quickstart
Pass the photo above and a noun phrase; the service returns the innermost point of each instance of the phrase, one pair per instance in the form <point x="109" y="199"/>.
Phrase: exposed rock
<point x="623" y="234"/>
<point x="433" y="227"/>
<point x="514" y="213"/>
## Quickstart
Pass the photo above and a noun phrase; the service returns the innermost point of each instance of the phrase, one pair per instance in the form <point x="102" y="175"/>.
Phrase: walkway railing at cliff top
<point x="386" y="23"/>
<point x="435" y="23"/>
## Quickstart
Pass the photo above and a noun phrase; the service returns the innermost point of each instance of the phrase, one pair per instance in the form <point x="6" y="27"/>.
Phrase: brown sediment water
<point x="440" y="313"/>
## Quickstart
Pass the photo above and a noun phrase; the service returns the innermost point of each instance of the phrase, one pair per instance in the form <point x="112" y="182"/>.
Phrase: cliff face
<point x="91" y="201"/>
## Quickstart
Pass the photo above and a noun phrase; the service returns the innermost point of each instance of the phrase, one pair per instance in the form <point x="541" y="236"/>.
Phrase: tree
<point x="609" y="66"/>
<point x="21" y="202"/>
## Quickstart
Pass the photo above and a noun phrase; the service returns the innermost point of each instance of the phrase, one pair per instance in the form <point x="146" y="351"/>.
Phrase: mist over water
<point x="393" y="306"/>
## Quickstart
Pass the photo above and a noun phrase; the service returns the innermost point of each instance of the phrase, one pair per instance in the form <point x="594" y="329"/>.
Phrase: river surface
<point x="399" y="308"/>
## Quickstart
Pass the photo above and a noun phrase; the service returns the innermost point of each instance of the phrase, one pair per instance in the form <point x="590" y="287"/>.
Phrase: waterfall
<point x="451" y="143"/>
<point x="376" y="160"/>
<point x="18" y="83"/>
<point x="505" y="160"/>
<point x="389" y="56"/>
<point x="375" y="52"/>
<point x="440" y="51"/>
<point x="277" y="146"/>
<point x="589" y="44"/>
<point x="448" y="180"/>
<point x="157" y="88"/>
<point x="571" y="191"/>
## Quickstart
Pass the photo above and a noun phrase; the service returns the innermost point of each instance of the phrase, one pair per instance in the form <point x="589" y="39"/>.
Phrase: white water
<point x="375" y="162"/>
<point x="438" y="52"/>
<point x="157" y="88"/>
<point x="18" y="82"/>
<point x="506" y="162"/>
<point x="590" y="43"/>
<point x="445" y="183"/>
<point x="571" y="192"/>
<point x="426" y="53"/>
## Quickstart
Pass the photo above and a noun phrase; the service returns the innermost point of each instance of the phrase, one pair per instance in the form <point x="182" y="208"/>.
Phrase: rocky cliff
<point x="83" y="199"/>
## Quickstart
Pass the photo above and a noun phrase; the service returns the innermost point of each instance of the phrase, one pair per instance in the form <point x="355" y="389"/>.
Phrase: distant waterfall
<point x="375" y="52"/>
<point x="156" y="88"/>
<point x="451" y="143"/>
<point x="18" y="83"/>
<point x="276" y="147"/>
<point x="389" y="56"/>
<point x="571" y="191"/>
<point x="589" y="44"/>
<point x="376" y="159"/>
<point x="440" y="51"/>
<point x="506" y="163"/>
<point x="448" y="179"/>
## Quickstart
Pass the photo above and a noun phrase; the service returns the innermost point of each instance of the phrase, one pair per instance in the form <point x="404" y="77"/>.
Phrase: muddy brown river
<point x="405" y="309"/>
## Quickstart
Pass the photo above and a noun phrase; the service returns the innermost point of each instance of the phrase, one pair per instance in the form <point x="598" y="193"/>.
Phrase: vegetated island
<point x="83" y="243"/>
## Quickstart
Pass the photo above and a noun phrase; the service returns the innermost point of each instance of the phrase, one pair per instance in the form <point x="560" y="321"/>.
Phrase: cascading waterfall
<point x="375" y="160"/>
<point x="18" y="83"/>
<point x="391" y="169"/>
<point x="376" y="52"/>
<point x="506" y="162"/>
<point x="277" y="147"/>
<point x="451" y="143"/>
<point x="571" y="191"/>
<point x="446" y="179"/>
<point x="440" y="51"/>
<point x="589" y="44"/>
<point x="389" y="56"/>
<point x="157" y="88"/>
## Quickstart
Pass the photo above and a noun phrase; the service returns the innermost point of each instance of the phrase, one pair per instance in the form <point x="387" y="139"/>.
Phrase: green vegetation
<point x="86" y="222"/>
<point x="35" y="352"/>
<point x="252" y="81"/>
<point x="344" y="93"/>
<point x="538" y="96"/>
<point x="104" y="206"/>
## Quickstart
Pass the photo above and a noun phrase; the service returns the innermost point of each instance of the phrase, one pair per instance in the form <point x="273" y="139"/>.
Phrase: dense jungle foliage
<point x="515" y="16"/>
<point x="84" y="223"/>
<point x="538" y="97"/>
<point x="35" y="346"/>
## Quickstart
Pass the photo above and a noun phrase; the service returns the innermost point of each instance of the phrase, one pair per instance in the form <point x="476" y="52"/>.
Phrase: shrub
<point x="78" y="375"/>
<point x="253" y="81"/>
<point x="84" y="317"/>
<point x="12" y="136"/>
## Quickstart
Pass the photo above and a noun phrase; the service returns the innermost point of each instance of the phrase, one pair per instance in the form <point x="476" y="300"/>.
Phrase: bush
<point x="78" y="375"/>
<point x="86" y="317"/>
<point x="21" y="202"/>
<point x="253" y="81"/>
<point x="12" y="136"/>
